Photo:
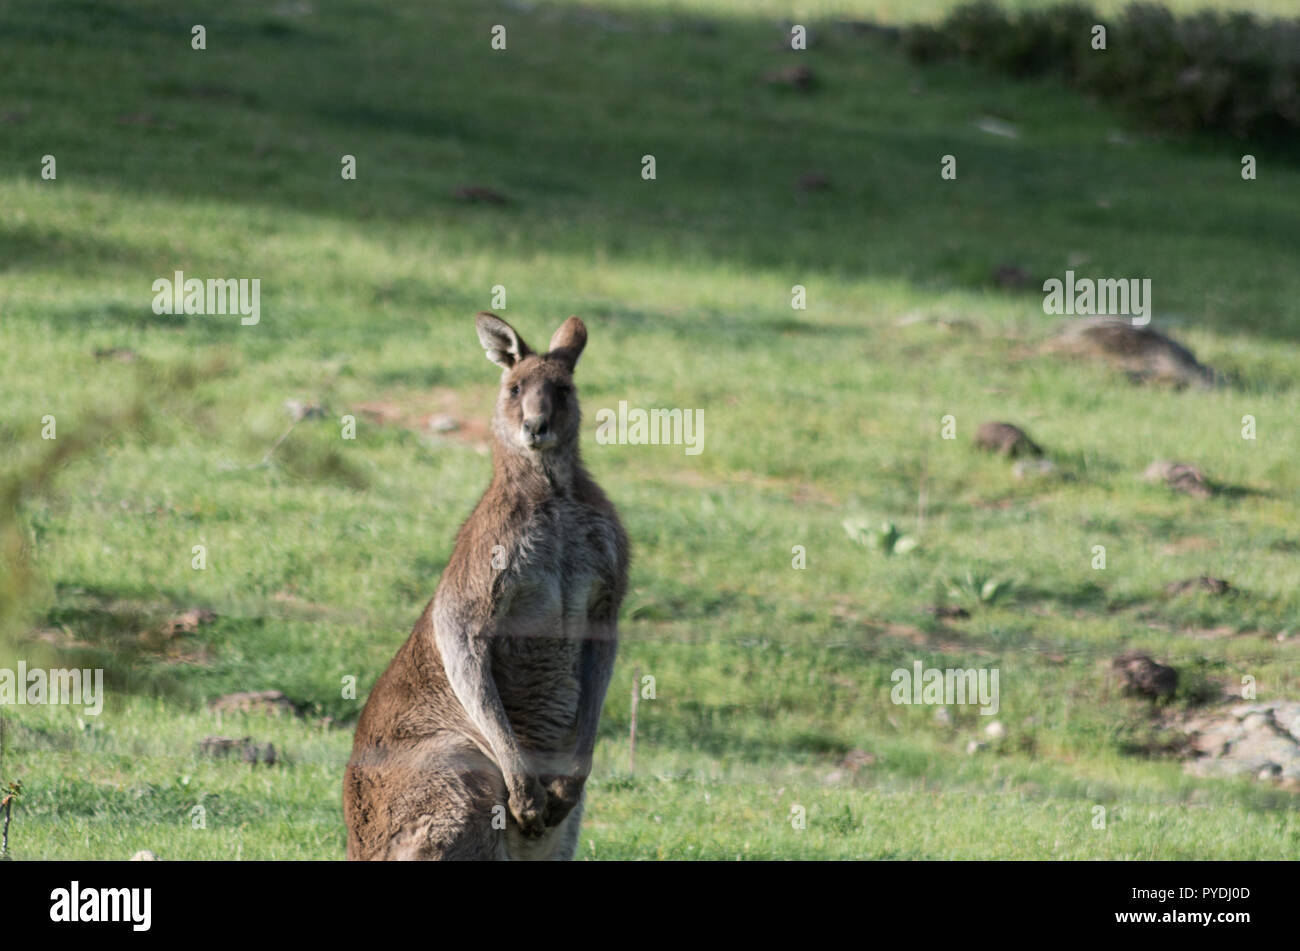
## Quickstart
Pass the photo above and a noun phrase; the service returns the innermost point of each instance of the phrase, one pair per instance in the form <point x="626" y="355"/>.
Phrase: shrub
<point x="1214" y="71"/>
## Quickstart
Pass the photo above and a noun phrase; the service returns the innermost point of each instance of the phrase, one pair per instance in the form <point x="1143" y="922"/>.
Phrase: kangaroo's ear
<point x="568" y="341"/>
<point x="504" y="347"/>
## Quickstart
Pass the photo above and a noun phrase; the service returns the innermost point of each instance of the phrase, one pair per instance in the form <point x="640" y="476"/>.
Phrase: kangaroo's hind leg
<point x="443" y="799"/>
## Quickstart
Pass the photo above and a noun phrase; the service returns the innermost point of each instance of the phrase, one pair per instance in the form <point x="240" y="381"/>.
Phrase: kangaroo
<point x="477" y="741"/>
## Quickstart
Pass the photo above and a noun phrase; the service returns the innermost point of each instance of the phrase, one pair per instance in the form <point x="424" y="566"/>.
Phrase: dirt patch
<point x="254" y="701"/>
<point x="799" y="492"/>
<point x="441" y="414"/>
<point x="126" y="627"/>
<point x="943" y="639"/>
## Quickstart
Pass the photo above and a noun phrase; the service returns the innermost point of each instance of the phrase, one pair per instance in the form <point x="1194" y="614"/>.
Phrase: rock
<point x="995" y="731"/>
<point x="997" y="127"/>
<point x="1179" y="476"/>
<point x="299" y="410"/>
<point x="1143" y="677"/>
<point x="144" y="855"/>
<point x="256" y="701"/>
<point x="1145" y="354"/>
<point x="443" y="423"/>
<point x="1256" y="739"/>
<point x="1243" y="710"/>
<point x="1215" y="586"/>
<point x="1005" y="439"/>
<point x="1256" y="722"/>
<point x="1033" y="469"/>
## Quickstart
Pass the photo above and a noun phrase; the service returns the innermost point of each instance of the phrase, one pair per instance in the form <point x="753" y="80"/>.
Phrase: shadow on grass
<point x="29" y="245"/>
<point x="559" y="125"/>
<point x="712" y="729"/>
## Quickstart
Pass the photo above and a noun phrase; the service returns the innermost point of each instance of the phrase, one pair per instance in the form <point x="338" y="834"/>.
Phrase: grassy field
<point x="320" y="555"/>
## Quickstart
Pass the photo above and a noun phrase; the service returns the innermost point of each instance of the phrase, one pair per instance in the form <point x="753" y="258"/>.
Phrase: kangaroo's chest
<point x="562" y="564"/>
<point x="559" y="568"/>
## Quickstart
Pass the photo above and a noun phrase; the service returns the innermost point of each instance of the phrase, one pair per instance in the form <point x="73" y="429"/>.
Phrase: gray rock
<point x="1181" y="477"/>
<point x="1144" y="353"/>
<point x="443" y="423"/>
<point x="1256" y="739"/>
<point x="1033" y="469"/>
<point x="1005" y="439"/>
<point x="300" y="410"/>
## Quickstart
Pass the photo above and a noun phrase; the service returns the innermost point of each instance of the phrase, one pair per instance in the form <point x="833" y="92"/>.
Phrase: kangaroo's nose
<point x="535" y="425"/>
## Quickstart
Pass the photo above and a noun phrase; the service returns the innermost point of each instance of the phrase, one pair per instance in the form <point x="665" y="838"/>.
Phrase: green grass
<point x="766" y="676"/>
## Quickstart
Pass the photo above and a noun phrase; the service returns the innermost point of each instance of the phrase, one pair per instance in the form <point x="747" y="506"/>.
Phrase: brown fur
<point x="477" y="740"/>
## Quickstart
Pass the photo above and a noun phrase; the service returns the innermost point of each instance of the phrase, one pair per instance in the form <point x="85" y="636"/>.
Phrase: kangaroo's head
<point x="537" y="407"/>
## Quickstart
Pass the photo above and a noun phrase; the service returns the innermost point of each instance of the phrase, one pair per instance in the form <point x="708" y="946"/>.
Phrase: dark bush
<point x="1225" y="72"/>
<point x="927" y="44"/>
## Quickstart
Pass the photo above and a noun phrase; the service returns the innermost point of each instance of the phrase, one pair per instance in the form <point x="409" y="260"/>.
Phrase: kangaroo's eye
<point x="514" y="390"/>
